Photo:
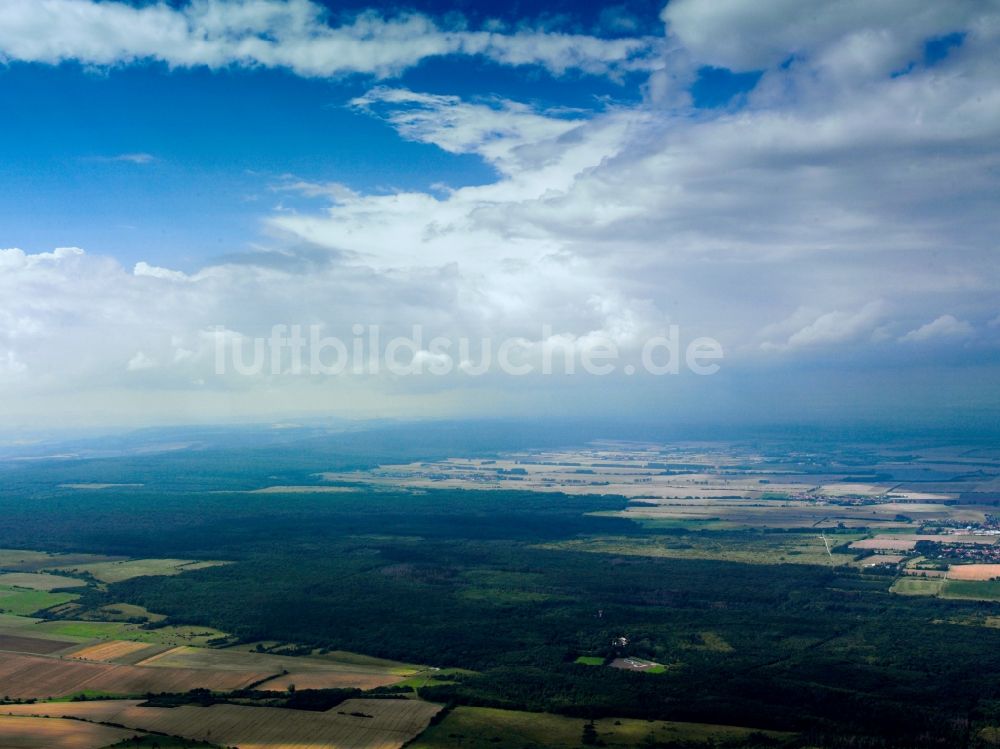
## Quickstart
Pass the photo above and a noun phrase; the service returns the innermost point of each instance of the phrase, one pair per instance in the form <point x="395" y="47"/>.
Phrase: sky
<point x="813" y="186"/>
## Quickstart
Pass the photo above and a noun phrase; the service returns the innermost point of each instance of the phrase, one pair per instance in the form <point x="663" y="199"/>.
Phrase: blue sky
<point x="812" y="187"/>
<point x="220" y="139"/>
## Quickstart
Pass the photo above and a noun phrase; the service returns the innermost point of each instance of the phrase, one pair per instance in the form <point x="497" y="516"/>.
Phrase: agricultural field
<point x="432" y="677"/>
<point x="885" y="543"/>
<point x="672" y="482"/>
<point x="125" y="659"/>
<point x="917" y="586"/>
<point x="25" y="676"/>
<point x="720" y="486"/>
<point x="353" y="724"/>
<point x="116" y="651"/>
<point x="974" y="572"/>
<point x="961" y="589"/>
<point x="34" y="645"/>
<point x="302" y="672"/>
<point x="26" y="560"/>
<point x="747" y="548"/>
<point x="22" y="732"/>
<point x="487" y="728"/>
<point x="117" y="571"/>
<point x="24" y="601"/>
<point x="971" y="590"/>
<point x="724" y="514"/>
<point x="39" y="581"/>
<point x="102" y="630"/>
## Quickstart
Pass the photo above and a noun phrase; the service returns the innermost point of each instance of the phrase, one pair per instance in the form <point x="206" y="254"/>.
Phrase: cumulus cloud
<point x="946" y="326"/>
<point x="145" y="269"/>
<point x="848" y="175"/>
<point x="881" y="37"/>
<point x="298" y="35"/>
<point x="139" y="362"/>
<point x="830" y="328"/>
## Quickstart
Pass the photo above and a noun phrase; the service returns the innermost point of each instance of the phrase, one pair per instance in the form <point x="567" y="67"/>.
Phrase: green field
<point x="589" y="660"/>
<point x="121" y="612"/>
<point x="39" y="581"/>
<point x="961" y="590"/>
<point x="917" y="586"/>
<point x="170" y="635"/>
<point x="969" y="590"/>
<point x="24" y="602"/>
<point x="488" y="728"/>
<point x="433" y="678"/>
<point x="731" y="546"/>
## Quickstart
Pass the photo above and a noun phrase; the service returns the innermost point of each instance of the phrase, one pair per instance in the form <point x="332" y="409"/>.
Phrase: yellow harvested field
<point x="33" y="676"/>
<point x="851" y="490"/>
<point x="39" y="581"/>
<point x="973" y="571"/>
<point x="116" y="651"/>
<point x="21" y="732"/>
<point x="909" y="542"/>
<point x="328" y="680"/>
<point x="303" y="672"/>
<point x="354" y="724"/>
<point x="877" y="559"/>
<point x="888" y="544"/>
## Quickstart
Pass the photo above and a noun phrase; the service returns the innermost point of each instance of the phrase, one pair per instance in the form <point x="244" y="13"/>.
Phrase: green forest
<point x="457" y="579"/>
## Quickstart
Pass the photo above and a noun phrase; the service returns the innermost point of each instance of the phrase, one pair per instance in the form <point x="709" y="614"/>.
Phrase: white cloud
<point x="946" y="326"/>
<point x="834" y="327"/>
<point x="298" y="35"/>
<point x="752" y="35"/>
<point x="837" y="184"/>
<point x="139" y="362"/>
<point x="151" y="271"/>
<point x="499" y="131"/>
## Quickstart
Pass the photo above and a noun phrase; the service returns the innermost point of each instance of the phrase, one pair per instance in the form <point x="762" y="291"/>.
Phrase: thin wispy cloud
<point x="134" y="158"/>
<point x="139" y="159"/>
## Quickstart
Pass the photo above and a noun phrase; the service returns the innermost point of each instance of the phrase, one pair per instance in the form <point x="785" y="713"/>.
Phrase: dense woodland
<point x="456" y="579"/>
